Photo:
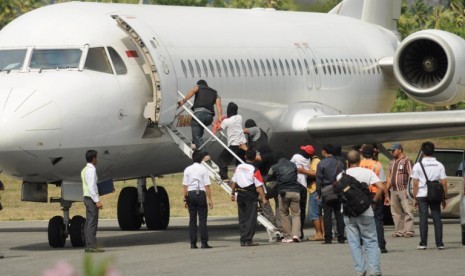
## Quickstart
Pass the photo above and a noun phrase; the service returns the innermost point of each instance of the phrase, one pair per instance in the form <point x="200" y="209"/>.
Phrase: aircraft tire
<point x="128" y="217"/>
<point x="157" y="209"/>
<point x="56" y="232"/>
<point x="76" y="231"/>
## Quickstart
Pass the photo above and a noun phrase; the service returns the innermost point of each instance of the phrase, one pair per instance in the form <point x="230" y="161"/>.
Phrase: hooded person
<point x="236" y="140"/>
<point x="256" y="136"/>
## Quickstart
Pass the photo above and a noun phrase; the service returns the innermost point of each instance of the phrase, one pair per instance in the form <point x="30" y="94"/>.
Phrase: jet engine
<point x="429" y="66"/>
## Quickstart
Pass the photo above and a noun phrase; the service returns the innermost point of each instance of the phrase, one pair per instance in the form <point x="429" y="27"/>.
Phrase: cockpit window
<point x="11" y="59"/>
<point x="97" y="60"/>
<point x="118" y="62"/>
<point x="55" y="58"/>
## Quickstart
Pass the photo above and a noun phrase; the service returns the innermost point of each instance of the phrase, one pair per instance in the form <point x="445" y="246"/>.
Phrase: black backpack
<point x="354" y="195"/>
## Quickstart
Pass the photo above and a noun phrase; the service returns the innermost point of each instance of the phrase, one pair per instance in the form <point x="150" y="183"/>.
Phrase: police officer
<point x="196" y="190"/>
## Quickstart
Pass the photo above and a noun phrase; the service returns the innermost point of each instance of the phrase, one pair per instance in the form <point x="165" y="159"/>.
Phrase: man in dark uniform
<point x="205" y="100"/>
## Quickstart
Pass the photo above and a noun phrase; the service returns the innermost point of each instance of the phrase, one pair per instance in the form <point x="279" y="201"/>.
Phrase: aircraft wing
<point x="386" y="127"/>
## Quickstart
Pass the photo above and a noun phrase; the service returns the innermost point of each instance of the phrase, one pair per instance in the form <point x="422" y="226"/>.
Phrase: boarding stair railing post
<point x="184" y="145"/>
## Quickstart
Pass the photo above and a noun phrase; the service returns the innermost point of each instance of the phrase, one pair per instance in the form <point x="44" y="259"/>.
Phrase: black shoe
<point x="250" y="243"/>
<point x="383" y="250"/>
<point x="341" y="241"/>
<point x="327" y="242"/>
<point x="205" y="246"/>
<point x="1" y="256"/>
<point x="93" y="250"/>
<point x="194" y="246"/>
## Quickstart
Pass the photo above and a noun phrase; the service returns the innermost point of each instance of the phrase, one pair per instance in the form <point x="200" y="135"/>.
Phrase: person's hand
<point x="265" y="201"/>
<point x="415" y="203"/>
<point x="219" y="119"/>
<point x="444" y="204"/>
<point x="99" y="205"/>
<point x="300" y="169"/>
<point x="233" y="197"/>
<point x="387" y="201"/>
<point x="185" y="205"/>
<point x="210" y="204"/>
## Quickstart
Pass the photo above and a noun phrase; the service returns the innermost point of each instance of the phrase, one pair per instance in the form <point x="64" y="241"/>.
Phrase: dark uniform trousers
<point x="378" y="211"/>
<point x="247" y="213"/>
<point x="303" y="208"/>
<point x="328" y="209"/>
<point x="197" y="204"/>
<point x="90" y="228"/>
<point x="226" y="157"/>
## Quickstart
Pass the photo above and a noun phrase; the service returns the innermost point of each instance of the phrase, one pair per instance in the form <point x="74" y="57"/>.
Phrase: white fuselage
<point x="279" y="67"/>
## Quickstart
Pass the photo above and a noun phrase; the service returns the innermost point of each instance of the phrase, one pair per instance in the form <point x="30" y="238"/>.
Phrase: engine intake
<point x="429" y="67"/>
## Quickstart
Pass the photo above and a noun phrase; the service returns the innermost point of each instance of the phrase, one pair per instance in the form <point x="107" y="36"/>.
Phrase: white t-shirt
<point x="434" y="170"/>
<point x="363" y="175"/>
<point x="246" y="175"/>
<point x="300" y="162"/>
<point x="196" y="175"/>
<point x="234" y="131"/>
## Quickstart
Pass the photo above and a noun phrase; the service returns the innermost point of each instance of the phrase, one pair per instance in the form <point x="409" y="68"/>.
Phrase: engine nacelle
<point x="430" y="67"/>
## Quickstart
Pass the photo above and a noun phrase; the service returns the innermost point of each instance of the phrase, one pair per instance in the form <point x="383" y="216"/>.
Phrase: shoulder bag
<point x="435" y="190"/>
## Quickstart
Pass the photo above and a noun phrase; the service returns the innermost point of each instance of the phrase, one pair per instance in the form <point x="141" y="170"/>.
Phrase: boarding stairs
<point x="184" y="145"/>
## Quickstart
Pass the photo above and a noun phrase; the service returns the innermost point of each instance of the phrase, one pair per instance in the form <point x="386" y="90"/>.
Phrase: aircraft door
<point x="306" y="64"/>
<point x="158" y="65"/>
<point x="313" y="66"/>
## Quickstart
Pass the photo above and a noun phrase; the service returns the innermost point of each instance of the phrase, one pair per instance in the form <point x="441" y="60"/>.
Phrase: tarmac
<point x="24" y="245"/>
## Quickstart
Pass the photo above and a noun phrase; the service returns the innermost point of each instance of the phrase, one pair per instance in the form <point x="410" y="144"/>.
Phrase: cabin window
<point x="256" y="67"/>
<point x="191" y="67"/>
<point x="294" y="68"/>
<point x="11" y="59"/>
<point x="323" y="66"/>
<point x="348" y="67"/>
<point x="238" y="68"/>
<point x="218" y="67"/>
<point x="250" y="67"/>
<point x="307" y="68"/>
<point x="328" y="67"/>
<point x="373" y="65"/>
<point x="212" y="68"/>
<point x="281" y="66"/>
<point x="315" y="66"/>
<point x="63" y="59"/>
<point x="96" y="60"/>
<point x="263" y="67"/>
<point x="118" y="63"/>
<point x="205" y="69"/>
<point x="287" y="67"/>
<point x="299" y="65"/>
<point x="231" y="67"/>
<point x="338" y="66"/>
<point x="225" y="68"/>
<point x="268" y="65"/>
<point x="197" y="66"/>
<point x="184" y="68"/>
<point x="275" y="66"/>
<point x="334" y="67"/>
<point x="244" y="68"/>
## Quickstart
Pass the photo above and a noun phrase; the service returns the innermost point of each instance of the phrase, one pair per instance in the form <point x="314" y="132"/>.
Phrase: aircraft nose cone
<point x="28" y="120"/>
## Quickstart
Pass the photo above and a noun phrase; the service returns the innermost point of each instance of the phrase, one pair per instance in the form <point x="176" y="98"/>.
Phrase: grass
<point x="15" y="209"/>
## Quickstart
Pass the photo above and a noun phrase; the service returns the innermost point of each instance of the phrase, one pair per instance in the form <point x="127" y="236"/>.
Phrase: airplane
<point x="76" y="76"/>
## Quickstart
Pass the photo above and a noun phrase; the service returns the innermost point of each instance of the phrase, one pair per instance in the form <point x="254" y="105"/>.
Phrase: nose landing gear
<point x="59" y="228"/>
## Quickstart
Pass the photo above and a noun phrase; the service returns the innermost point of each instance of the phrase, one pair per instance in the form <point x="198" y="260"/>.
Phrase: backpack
<point x="354" y="195"/>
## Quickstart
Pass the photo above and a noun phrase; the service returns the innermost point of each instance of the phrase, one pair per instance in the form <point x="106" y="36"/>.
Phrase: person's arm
<point x="246" y="130"/>
<point x="233" y="191"/>
<point x="184" y="192"/>
<point x="388" y="179"/>
<point x="209" y="196"/>
<point x="91" y="179"/>
<point x="415" y="191"/>
<point x="444" y="186"/>
<point x="219" y="109"/>
<point x="381" y="187"/>
<point x="261" y="192"/>
<point x="189" y="95"/>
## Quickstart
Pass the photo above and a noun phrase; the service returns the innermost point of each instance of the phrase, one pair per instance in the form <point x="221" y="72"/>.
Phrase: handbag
<point x="328" y="194"/>
<point x="435" y="191"/>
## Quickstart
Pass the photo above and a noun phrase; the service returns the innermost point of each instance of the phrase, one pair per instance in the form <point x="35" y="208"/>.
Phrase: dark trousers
<point x="303" y="208"/>
<point x="247" y="213"/>
<point x="90" y="228"/>
<point x="197" y="130"/>
<point x="435" y="208"/>
<point x="225" y="159"/>
<point x="328" y="209"/>
<point x="378" y="211"/>
<point x="197" y="204"/>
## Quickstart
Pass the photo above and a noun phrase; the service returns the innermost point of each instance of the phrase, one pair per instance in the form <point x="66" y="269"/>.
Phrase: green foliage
<point x="93" y="268"/>
<point x="14" y="8"/>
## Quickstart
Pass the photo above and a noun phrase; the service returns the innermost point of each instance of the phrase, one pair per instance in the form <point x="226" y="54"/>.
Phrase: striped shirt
<point x="399" y="173"/>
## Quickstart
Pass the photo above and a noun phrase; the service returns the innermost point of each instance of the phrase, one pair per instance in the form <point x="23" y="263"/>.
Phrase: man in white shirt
<point x="248" y="183"/>
<point x="363" y="227"/>
<point x="91" y="201"/>
<point x="434" y="171"/>
<point x="196" y="190"/>
<point x="236" y="140"/>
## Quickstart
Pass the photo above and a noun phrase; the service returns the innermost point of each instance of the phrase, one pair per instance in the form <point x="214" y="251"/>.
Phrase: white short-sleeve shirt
<point x="301" y="162"/>
<point x="196" y="176"/>
<point x="234" y="130"/>
<point x="434" y="170"/>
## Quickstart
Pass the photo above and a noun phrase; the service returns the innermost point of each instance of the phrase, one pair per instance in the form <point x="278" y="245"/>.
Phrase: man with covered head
<point x="236" y="140"/>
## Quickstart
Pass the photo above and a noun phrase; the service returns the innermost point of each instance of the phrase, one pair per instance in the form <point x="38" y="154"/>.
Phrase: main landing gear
<point x="61" y="227"/>
<point x="140" y="205"/>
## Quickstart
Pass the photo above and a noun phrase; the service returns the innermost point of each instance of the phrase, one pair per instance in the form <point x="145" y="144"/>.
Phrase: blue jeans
<point x="363" y="228"/>
<point x="197" y="130"/>
<point x="435" y="208"/>
<point x="314" y="207"/>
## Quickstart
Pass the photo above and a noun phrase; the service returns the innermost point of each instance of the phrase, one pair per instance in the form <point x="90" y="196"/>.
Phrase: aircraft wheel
<point x="76" y="231"/>
<point x="128" y="217"/>
<point x="56" y="232"/>
<point x="157" y="209"/>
